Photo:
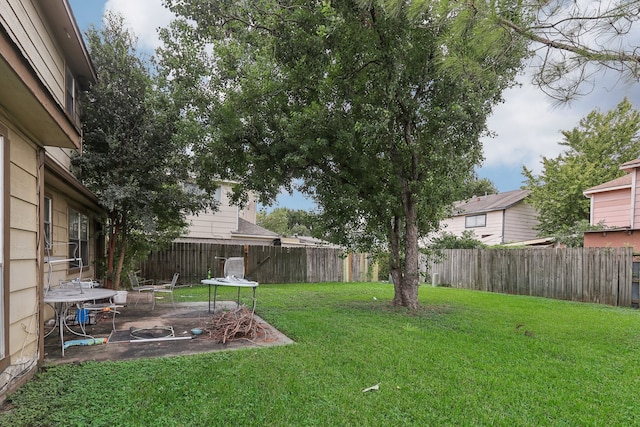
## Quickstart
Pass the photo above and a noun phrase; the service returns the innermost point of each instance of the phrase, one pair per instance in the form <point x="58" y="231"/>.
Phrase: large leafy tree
<point x="574" y="42"/>
<point x="595" y="149"/>
<point x="378" y="115"/>
<point x="131" y="158"/>
<point x="475" y="186"/>
<point x="287" y="222"/>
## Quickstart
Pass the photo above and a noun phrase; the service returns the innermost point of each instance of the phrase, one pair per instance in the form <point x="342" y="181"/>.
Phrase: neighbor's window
<point x="78" y="239"/>
<point x="475" y="221"/>
<point x="48" y="236"/>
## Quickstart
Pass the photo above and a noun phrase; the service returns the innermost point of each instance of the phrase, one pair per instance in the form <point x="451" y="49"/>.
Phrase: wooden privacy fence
<point x="265" y="264"/>
<point x="596" y="275"/>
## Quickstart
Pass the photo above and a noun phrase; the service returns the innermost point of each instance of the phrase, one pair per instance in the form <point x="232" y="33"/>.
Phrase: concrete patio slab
<point x="186" y="316"/>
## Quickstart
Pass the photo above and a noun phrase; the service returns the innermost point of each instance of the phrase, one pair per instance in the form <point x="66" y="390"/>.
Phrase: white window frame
<point x="48" y="225"/>
<point x="473" y="221"/>
<point x="78" y="243"/>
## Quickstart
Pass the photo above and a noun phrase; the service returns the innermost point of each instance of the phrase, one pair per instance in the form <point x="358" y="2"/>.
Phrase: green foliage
<point x="595" y="150"/>
<point x="468" y="358"/>
<point x="573" y="236"/>
<point x="378" y="115"/>
<point x="448" y="240"/>
<point x="131" y="159"/>
<point x="575" y="42"/>
<point x="383" y="266"/>
<point x="287" y="222"/>
<point x="476" y="187"/>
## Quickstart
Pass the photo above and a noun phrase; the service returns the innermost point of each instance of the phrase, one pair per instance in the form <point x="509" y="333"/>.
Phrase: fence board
<point x="598" y="275"/>
<point x="265" y="264"/>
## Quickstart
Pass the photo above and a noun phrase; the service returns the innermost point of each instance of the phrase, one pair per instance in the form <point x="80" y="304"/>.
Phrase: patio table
<point x="230" y="281"/>
<point x="61" y="299"/>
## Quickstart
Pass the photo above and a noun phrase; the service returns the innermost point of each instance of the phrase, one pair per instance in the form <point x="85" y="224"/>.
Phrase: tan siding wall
<point x="28" y="30"/>
<point x="453" y="225"/>
<point x="23" y="264"/>
<point x="250" y="211"/>
<point x="492" y="232"/>
<point x="520" y="223"/>
<point x="217" y="225"/>
<point x="60" y="230"/>
<point x="61" y="155"/>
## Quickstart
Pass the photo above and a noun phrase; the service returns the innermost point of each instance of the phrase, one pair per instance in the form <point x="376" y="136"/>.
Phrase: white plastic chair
<point x="234" y="267"/>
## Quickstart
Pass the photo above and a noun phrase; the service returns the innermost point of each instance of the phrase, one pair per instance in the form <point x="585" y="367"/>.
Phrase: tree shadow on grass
<point x="386" y="307"/>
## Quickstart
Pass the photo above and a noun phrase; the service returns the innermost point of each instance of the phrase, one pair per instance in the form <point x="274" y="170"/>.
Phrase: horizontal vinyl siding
<point x="23" y="250"/>
<point x="62" y="156"/>
<point x="249" y="212"/>
<point x="23" y="20"/>
<point x="61" y="203"/>
<point x="218" y="225"/>
<point x="520" y="223"/>
<point x="453" y="225"/>
<point x="612" y="207"/>
<point x="213" y="226"/>
<point x="492" y="232"/>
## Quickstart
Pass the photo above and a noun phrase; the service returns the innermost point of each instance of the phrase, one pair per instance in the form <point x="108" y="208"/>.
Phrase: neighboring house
<point x="616" y="204"/>
<point x="44" y="210"/>
<point x="230" y="225"/>
<point x="494" y="219"/>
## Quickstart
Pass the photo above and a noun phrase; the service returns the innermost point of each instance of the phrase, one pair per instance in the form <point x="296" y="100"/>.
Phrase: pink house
<point x="616" y="204"/>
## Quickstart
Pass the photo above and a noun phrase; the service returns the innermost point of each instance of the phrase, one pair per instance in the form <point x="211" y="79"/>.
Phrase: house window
<point x="475" y="221"/>
<point x="70" y="92"/>
<point x="48" y="235"/>
<point x="78" y="239"/>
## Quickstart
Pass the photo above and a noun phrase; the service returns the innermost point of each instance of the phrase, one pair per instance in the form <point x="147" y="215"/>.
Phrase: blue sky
<point x="527" y="124"/>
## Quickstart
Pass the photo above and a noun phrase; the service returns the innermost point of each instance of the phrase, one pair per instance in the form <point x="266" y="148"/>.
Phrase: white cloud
<point x="144" y="17"/>
<point x="529" y="123"/>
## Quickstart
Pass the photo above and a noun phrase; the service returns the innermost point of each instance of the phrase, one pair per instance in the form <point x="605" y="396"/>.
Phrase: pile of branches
<point x="235" y="324"/>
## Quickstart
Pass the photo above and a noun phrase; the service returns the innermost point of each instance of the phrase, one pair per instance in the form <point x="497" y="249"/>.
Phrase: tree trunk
<point x="395" y="260"/>
<point x="412" y="277"/>
<point x="407" y="288"/>
<point x="111" y="248"/>
<point x="118" y="272"/>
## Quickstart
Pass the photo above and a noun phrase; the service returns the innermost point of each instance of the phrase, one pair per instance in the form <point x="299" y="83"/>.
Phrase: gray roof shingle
<point x="489" y="203"/>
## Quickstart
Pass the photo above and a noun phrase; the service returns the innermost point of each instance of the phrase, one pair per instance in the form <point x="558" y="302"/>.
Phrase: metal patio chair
<point x="165" y="288"/>
<point x="142" y="285"/>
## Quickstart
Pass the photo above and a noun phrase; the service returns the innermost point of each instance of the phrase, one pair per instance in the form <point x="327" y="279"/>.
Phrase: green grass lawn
<point x="465" y="358"/>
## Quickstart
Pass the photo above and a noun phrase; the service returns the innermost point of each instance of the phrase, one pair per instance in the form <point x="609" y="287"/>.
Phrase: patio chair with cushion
<point x="140" y="285"/>
<point x="165" y="288"/>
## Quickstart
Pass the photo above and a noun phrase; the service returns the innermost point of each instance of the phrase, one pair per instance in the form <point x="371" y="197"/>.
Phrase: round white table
<point x="63" y="298"/>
